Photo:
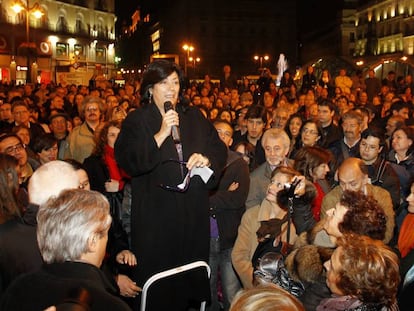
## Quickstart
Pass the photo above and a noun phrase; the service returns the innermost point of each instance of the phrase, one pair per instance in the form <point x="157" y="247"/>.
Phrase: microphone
<point x="175" y="131"/>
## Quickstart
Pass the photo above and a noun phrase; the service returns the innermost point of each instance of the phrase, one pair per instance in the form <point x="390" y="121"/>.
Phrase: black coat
<point x="97" y="171"/>
<point x="98" y="174"/>
<point x="168" y="229"/>
<point x="52" y="284"/>
<point x="229" y="206"/>
<point x="19" y="252"/>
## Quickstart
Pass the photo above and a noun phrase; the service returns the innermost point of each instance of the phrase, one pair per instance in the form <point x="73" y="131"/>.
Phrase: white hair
<point x="50" y="179"/>
<point x="67" y="222"/>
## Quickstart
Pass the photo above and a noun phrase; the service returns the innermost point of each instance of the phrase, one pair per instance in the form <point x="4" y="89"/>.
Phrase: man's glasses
<point x="92" y="109"/>
<point x="14" y="149"/>
<point x="182" y="187"/>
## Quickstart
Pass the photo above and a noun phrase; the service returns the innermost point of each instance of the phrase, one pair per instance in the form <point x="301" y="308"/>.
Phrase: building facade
<point x="376" y="34"/>
<point x="72" y="41"/>
<point x="384" y="33"/>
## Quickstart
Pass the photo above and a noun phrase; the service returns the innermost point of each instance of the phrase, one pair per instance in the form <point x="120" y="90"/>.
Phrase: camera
<point x="291" y="187"/>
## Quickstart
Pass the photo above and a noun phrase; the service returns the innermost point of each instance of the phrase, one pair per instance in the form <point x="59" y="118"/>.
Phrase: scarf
<point x="406" y="236"/>
<point x="114" y="171"/>
<point x="338" y="303"/>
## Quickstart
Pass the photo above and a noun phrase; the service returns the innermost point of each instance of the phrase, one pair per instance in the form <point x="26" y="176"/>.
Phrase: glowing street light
<point x="188" y="48"/>
<point x="261" y="58"/>
<point x="36" y="11"/>
<point x="194" y="61"/>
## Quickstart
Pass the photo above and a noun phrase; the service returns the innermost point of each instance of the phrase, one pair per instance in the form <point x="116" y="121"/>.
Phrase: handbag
<point x="271" y="269"/>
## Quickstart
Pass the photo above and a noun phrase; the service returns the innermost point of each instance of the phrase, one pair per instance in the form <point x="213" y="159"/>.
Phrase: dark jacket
<point x="309" y="81"/>
<point x="52" y="284"/>
<point x="404" y="170"/>
<point x="97" y="172"/>
<point x="168" y="228"/>
<point x="228" y="206"/>
<point x="35" y="130"/>
<point x="342" y="151"/>
<point x="331" y="134"/>
<point x="259" y="154"/>
<point x="117" y="237"/>
<point x="19" y="252"/>
<point x="382" y="174"/>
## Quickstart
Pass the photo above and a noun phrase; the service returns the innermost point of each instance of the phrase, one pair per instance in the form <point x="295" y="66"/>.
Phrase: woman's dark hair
<point x="123" y="100"/>
<point x="250" y="150"/>
<point x="291" y="118"/>
<point x="220" y="111"/>
<point x="44" y="142"/>
<point x="308" y="158"/>
<point x="156" y="72"/>
<point x="364" y="215"/>
<point x="320" y="142"/>
<point x="101" y="139"/>
<point x="9" y="185"/>
<point x="409" y="131"/>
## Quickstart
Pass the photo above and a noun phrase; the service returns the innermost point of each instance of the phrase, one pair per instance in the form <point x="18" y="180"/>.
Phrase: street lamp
<point x="260" y="59"/>
<point x="194" y="61"/>
<point x="36" y="11"/>
<point x="188" y="48"/>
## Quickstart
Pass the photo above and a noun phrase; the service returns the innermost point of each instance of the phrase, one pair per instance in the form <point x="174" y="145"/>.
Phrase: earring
<point x="150" y="98"/>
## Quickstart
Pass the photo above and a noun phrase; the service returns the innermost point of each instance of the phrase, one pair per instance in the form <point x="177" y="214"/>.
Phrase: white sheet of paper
<point x="204" y="172"/>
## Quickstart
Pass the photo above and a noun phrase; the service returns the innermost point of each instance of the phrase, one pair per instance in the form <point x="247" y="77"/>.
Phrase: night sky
<point x="310" y="12"/>
<point x="124" y="9"/>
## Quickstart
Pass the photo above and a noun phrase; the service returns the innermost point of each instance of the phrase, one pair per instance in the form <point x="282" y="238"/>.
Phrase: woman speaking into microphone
<point x="161" y="145"/>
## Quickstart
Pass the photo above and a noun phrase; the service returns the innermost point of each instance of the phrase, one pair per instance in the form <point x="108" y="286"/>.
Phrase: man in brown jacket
<point x="353" y="175"/>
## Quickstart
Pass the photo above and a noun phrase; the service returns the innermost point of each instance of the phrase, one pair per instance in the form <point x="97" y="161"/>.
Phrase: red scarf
<point x="317" y="202"/>
<point x="114" y="171"/>
<point x="406" y="236"/>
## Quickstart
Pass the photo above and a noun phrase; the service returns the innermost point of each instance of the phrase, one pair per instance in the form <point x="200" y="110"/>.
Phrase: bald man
<point x="353" y="175"/>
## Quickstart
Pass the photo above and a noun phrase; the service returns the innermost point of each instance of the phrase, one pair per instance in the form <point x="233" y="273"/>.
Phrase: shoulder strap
<point x="380" y="172"/>
<point x="289" y="218"/>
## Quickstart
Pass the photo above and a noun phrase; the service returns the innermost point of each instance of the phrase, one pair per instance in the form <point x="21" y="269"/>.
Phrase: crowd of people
<point x="298" y="195"/>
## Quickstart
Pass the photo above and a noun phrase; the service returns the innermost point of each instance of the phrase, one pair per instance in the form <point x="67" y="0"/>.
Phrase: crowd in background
<point x="342" y="135"/>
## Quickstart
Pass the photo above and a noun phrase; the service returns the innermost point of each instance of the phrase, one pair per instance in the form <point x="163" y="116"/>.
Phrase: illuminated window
<point x="78" y="49"/>
<point x="61" y="49"/>
<point x="100" y="54"/>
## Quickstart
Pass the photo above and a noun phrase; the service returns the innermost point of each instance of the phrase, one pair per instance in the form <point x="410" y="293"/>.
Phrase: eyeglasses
<point x="14" y="149"/>
<point x="309" y="131"/>
<point x="91" y="109"/>
<point x="182" y="187"/>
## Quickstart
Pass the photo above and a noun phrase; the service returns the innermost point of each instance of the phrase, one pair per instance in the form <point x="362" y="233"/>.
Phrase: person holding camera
<point x="271" y="221"/>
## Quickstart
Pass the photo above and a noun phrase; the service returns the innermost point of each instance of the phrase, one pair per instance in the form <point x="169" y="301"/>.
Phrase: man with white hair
<point x="72" y="234"/>
<point x="276" y="144"/>
<point x="47" y="181"/>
